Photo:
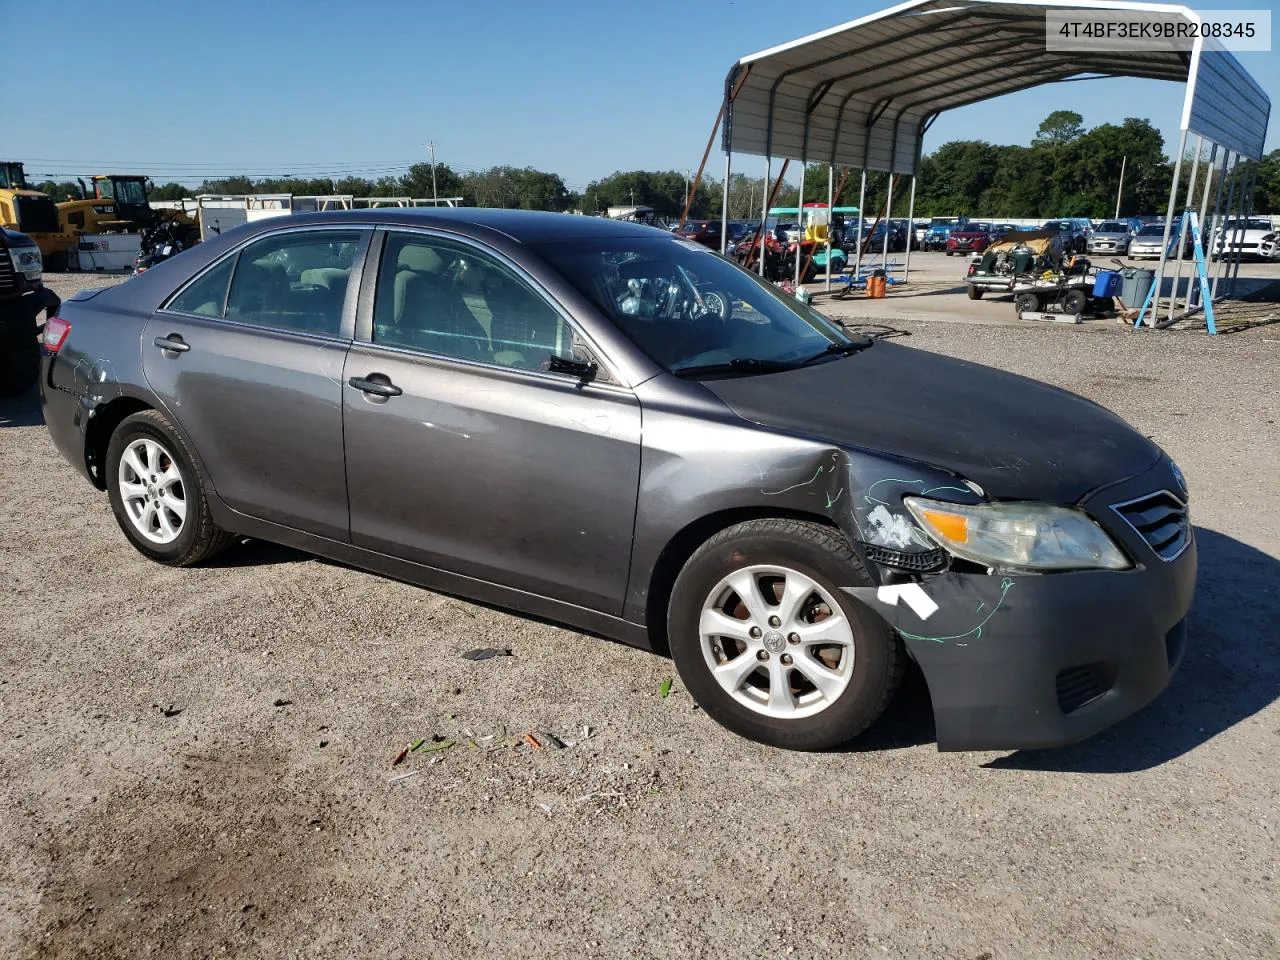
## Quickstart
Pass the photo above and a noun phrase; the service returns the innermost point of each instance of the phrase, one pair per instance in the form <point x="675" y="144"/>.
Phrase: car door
<point x="247" y="359"/>
<point x="465" y="450"/>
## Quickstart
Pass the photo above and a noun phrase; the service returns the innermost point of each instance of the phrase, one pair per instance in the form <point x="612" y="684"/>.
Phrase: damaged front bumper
<point x="1022" y="660"/>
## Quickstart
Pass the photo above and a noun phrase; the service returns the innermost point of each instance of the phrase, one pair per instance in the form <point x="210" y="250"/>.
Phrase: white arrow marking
<point x="912" y="594"/>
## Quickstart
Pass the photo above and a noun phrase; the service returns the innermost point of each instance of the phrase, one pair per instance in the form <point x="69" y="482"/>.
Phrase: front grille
<point x="1161" y="520"/>
<point x="1078" y="686"/>
<point x="8" y="278"/>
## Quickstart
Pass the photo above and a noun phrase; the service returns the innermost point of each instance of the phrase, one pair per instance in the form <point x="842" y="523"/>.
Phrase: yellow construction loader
<point x="117" y="203"/>
<point x="35" y="214"/>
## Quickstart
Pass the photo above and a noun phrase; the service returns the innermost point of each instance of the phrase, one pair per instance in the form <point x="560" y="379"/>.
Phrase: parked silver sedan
<point x="1111" y="236"/>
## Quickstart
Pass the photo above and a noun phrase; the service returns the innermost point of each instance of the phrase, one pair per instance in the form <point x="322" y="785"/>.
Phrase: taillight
<point x="56" y="331"/>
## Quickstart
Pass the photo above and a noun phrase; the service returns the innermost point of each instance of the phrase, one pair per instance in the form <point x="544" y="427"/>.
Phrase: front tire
<point x="19" y="357"/>
<point x="768" y="643"/>
<point x="158" y="495"/>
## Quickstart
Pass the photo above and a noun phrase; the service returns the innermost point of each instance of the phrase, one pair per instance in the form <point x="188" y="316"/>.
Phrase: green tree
<point x="1058" y="128"/>
<point x="1266" y="190"/>
<point x="59" y="191"/>
<point x="417" y="182"/>
<point x="169" y="191"/>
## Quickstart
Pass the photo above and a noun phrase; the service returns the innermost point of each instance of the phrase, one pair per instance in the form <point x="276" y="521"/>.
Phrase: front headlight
<point x="1031" y="536"/>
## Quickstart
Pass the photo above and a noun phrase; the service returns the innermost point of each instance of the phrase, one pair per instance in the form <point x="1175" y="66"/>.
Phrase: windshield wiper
<point x="738" y="365"/>
<point x="840" y="349"/>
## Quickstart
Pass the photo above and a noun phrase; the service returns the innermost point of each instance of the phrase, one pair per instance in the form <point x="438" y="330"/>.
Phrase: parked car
<point x="705" y="232"/>
<point x="971" y="237"/>
<point x="1111" y="236"/>
<point x="1074" y="237"/>
<point x="455" y="398"/>
<point x="939" y="230"/>
<point x="1149" y="241"/>
<point x="875" y="235"/>
<point x="1251" y="237"/>
<point x="921" y="231"/>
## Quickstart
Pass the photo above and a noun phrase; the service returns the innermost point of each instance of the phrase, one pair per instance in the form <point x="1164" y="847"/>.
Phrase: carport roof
<point x="862" y="94"/>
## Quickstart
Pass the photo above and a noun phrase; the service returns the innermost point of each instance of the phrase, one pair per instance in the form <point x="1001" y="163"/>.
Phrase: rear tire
<point x="1075" y="301"/>
<point x="1026" y="303"/>
<point x="808" y="631"/>
<point x="975" y="293"/>
<point x="158" y="495"/>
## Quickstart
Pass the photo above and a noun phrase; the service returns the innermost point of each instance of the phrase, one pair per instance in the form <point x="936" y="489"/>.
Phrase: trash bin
<point x="1135" y="284"/>
<point x="1106" y="284"/>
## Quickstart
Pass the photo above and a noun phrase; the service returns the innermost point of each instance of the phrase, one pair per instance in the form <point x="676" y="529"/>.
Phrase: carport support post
<point x="1192" y="286"/>
<point x="888" y="212"/>
<point x="1168" y="223"/>
<point x="862" y="202"/>
<point x="831" y="215"/>
<point x="804" y="166"/>
<point x="1237" y="180"/>
<point x="768" y="172"/>
<point x="1213" y="232"/>
<point x="911" y="229"/>
<point x="1246" y="210"/>
<point x="1183" y="227"/>
<point x="724" y="206"/>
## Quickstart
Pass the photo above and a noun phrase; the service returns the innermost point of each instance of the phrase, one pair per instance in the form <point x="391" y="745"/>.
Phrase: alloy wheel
<point x="776" y="641"/>
<point x="152" y="491"/>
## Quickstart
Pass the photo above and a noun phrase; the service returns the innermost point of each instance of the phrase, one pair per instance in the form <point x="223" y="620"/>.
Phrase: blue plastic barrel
<point x="1106" y="284"/>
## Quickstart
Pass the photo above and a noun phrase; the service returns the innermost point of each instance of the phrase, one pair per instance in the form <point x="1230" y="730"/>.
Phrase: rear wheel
<point x="158" y="495"/>
<point x="771" y="647"/>
<point x="975" y="292"/>
<point x="1075" y="301"/>
<point x="1026" y="303"/>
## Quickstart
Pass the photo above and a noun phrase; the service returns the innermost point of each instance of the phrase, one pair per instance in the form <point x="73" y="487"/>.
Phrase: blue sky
<point x="193" y="89"/>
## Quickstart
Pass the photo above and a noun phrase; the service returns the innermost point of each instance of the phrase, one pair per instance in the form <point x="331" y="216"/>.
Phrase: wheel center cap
<point x="775" y="642"/>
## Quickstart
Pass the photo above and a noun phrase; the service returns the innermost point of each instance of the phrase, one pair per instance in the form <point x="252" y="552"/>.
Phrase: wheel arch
<point x="103" y="424"/>
<point x="677" y="551"/>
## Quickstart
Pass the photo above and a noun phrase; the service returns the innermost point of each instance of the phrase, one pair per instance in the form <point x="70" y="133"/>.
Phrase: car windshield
<point x="1152" y="230"/>
<point x="976" y="227"/>
<point x="1057" y="225"/>
<point x="1254" y="223"/>
<point x="690" y="309"/>
<point x="1111" y="226"/>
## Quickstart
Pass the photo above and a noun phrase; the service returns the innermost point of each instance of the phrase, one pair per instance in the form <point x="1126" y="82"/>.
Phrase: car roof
<point x="526" y="226"/>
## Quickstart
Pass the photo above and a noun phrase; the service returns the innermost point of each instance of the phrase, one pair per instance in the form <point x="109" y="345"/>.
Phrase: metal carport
<point x="863" y="94"/>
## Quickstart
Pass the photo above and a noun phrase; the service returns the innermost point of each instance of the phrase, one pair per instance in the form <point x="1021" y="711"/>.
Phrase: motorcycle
<point x="157" y="244"/>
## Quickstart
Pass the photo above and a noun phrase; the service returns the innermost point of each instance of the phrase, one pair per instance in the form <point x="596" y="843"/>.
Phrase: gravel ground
<point x="198" y="762"/>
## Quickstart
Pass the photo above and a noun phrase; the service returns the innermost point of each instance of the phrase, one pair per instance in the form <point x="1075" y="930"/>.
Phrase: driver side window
<point x="449" y="299"/>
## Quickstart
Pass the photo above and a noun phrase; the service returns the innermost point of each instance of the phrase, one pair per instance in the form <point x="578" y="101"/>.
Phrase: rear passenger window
<point x="446" y="298"/>
<point x="294" y="281"/>
<point x="208" y="295"/>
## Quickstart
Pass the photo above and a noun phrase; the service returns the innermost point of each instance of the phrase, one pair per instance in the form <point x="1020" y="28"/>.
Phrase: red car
<point x="705" y="232"/>
<point x="971" y="237"/>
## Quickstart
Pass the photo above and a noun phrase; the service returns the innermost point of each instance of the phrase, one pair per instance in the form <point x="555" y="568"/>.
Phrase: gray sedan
<point x="592" y="422"/>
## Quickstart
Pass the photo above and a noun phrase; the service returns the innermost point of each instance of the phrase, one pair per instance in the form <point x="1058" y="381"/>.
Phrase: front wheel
<point x="19" y="357"/>
<point x="158" y="495"/>
<point x="769" y="644"/>
<point x="1026" y="303"/>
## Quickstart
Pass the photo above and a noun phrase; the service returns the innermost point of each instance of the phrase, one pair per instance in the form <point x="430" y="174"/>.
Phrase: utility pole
<point x="432" y="147"/>
<point x="1120" y="189"/>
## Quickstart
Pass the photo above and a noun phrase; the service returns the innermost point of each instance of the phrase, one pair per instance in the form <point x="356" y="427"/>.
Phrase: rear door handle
<point x="172" y="342"/>
<point x="376" y="384"/>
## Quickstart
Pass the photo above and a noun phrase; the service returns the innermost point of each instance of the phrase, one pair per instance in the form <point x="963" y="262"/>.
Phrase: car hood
<point x="1017" y="438"/>
<point x="1109" y="236"/>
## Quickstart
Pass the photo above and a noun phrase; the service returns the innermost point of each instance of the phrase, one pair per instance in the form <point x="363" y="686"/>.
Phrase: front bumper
<point x="1022" y="661"/>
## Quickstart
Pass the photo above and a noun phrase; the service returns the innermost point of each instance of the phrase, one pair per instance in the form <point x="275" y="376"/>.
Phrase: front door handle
<point x="172" y="342"/>
<point x="376" y="384"/>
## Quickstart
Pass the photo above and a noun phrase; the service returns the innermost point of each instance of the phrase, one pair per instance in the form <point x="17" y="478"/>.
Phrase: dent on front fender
<point x="693" y="469"/>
